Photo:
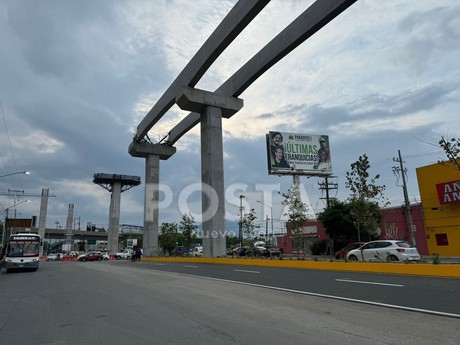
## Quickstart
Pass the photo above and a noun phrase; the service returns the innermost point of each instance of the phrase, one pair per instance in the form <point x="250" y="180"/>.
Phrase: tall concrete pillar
<point x="152" y="154"/>
<point x="115" y="184"/>
<point x="212" y="107"/>
<point x="68" y="229"/>
<point x="42" y="216"/>
<point x="212" y="178"/>
<point x="114" y="217"/>
<point x="151" y="202"/>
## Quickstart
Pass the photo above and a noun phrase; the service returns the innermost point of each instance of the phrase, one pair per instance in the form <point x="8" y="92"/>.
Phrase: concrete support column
<point x="151" y="201"/>
<point x="212" y="107"/>
<point x="42" y="216"/>
<point x="114" y="218"/>
<point x="152" y="153"/>
<point x="68" y="229"/>
<point x="212" y="178"/>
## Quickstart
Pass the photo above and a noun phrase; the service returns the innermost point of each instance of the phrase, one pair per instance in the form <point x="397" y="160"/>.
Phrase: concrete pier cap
<point x="197" y="100"/>
<point x="144" y="149"/>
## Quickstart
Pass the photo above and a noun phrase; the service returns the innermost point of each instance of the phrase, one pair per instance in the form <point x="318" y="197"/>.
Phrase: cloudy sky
<point x="77" y="77"/>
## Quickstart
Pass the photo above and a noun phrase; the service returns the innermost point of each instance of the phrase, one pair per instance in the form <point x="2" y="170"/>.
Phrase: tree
<point x="337" y="221"/>
<point x="297" y="213"/>
<point x="364" y="197"/>
<point x="247" y="223"/>
<point x="187" y="227"/>
<point x="452" y="149"/>
<point x="168" y="237"/>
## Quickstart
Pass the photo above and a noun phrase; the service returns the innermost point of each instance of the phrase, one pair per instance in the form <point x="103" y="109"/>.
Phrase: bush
<point x="319" y="247"/>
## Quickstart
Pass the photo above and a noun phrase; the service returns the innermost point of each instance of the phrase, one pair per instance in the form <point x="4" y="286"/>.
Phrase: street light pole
<point x="271" y="219"/>
<point x="16" y="173"/>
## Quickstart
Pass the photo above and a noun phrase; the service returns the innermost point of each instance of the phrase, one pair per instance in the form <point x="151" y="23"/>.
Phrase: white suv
<point x="384" y="250"/>
<point x="125" y="254"/>
<point x="197" y="251"/>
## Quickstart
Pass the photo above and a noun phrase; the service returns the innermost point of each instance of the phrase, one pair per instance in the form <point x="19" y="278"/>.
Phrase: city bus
<point x="22" y="252"/>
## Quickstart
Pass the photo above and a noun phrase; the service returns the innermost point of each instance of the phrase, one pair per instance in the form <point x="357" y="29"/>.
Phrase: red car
<point x="342" y="253"/>
<point x="91" y="256"/>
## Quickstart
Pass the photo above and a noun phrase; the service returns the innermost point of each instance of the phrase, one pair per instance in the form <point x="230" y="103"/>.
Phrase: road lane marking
<point x="191" y="266"/>
<point x="366" y="282"/>
<point x="246" y="271"/>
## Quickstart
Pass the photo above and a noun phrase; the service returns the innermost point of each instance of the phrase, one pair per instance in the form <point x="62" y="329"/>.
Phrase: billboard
<point x="298" y="154"/>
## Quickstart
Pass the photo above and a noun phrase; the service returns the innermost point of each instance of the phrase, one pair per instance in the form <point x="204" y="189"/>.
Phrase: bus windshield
<point x="23" y="248"/>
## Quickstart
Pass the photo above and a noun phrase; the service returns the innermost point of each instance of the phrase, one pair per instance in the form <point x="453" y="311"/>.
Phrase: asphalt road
<point x="67" y="303"/>
<point x="439" y="296"/>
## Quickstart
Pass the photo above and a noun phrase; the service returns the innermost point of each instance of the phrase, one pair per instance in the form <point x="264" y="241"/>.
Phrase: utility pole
<point x="326" y="185"/>
<point x="406" y="198"/>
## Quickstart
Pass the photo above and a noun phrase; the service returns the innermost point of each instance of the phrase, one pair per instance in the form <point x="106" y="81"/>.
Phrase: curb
<point x="418" y="269"/>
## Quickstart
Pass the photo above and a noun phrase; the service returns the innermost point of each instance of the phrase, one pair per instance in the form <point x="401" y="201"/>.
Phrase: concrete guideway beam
<point x="320" y="13"/>
<point x="231" y="26"/>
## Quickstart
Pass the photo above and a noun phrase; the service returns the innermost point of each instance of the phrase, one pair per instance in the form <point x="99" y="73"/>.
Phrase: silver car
<point x="384" y="250"/>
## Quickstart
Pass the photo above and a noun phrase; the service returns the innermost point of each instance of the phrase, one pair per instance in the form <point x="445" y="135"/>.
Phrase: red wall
<point x="393" y="224"/>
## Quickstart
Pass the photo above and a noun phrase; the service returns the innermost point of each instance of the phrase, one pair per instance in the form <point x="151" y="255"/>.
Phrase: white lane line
<point x="246" y="271"/>
<point x="365" y="282"/>
<point x="191" y="266"/>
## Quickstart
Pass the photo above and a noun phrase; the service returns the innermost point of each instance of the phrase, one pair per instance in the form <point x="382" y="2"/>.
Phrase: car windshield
<point x="403" y="244"/>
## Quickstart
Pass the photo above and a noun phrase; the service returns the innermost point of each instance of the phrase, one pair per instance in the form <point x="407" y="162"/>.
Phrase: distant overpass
<point x="83" y="235"/>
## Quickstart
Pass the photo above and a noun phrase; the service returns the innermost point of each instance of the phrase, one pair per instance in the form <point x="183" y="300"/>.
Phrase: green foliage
<point x="436" y="260"/>
<point x="367" y="214"/>
<point x="248" y="223"/>
<point x="319" y="247"/>
<point x="297" y="213"/>
<point x="187" y="227"/>
<point x="452" y="149"/>
<point x="364" y="197"/>
<point x="168" y="237"/>
<point x="337" y="221"/>
<point x="232" y="241"/>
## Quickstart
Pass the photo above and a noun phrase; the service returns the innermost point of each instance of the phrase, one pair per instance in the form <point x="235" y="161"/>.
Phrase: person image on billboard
<point x="276" y="141"/>
<point x="280" y="161"/>
<point x="323" y="154"/>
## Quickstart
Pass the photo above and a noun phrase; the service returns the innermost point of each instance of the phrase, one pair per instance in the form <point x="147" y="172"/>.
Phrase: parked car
<point x="197" y="251"/>
<point x="260" y="251"/>
<point x="384" y="250"/>
<point x="125" y="254"/>
<point x="342" y="253"/>
<point x="180" y="251"/>
<point x="274" y="251"/>
<point x="91" y="256"/>
<point x="239" y="251"/>
<point x="105" y="255"/>
<point x="54" y="257"/>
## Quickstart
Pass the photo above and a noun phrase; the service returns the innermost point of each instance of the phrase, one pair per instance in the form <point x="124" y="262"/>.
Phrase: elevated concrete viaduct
<point x="209" y="108"/>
